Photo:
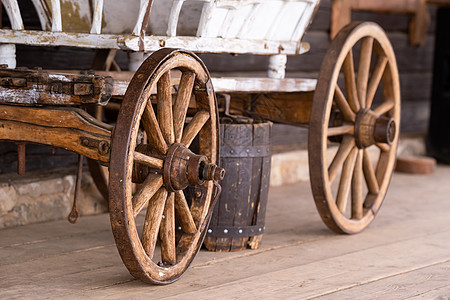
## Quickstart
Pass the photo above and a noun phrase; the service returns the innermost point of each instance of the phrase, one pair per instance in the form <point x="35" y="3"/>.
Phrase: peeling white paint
<point x="59" y="77"/>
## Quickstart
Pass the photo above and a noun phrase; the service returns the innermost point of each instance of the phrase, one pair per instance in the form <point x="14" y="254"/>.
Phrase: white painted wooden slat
<point x="13" y="11"/>
<point x="263" y="19"/>
<point x="56" y="16"/>
<point x="305" y="20"/>
<point x="97" y="17"/>
<point x="206" y="17"/>
<point x="249" y="21"/>
<point x="173" y="17"/>
<point x="286" y="21"/>
<point x="145" y="5"/>
<point x="44" y="18"/>
<point x="234" y="21"/>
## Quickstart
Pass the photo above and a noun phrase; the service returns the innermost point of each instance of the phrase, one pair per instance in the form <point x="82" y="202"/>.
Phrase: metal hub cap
<point x="183" y="168"/>
<point x="371" y="129"/>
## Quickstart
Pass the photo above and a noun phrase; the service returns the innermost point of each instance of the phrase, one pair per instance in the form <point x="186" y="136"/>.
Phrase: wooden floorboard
<point x="413" y="283"/>
<point x="404" y="254"/>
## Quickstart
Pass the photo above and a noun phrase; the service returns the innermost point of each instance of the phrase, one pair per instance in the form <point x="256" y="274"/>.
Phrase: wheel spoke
<point x="164" y="101"/>
<point x="349" y="115"/>
<point x="363" y="69"/>
<point x="182" y="103"/>
<point x="167" y="233"/>
<point x="357" y="188"/>
<point x="369" y="174"/>
<point x="380" y="171"/>
<point x="153" y="221"/>
<point x="184" y="214"/>
<point x="384" y="147"/>
<point x="375" y="79"/>
<point x="151" y="184"/>
<point x="344" y="183"/>
<point x="341" y="130"/>
<point x="384" y="107"/>
<point x="194" y="127"/>
<point x="151" y="126"/>
<point x="350" y="83"/>
<point x="348" y="142"/>
<point x="149" y="161"/>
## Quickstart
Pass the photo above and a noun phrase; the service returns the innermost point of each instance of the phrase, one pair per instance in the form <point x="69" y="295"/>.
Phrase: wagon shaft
<point x="25" y="86"/>
<point x="69" y="128"/>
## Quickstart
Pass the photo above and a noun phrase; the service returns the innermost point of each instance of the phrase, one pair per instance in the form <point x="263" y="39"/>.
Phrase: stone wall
<point x="43" y="196"/>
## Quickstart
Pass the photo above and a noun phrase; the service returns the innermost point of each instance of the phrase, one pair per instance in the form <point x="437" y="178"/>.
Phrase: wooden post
<point x="277" y="66"/>
<point x="21" y="158"/>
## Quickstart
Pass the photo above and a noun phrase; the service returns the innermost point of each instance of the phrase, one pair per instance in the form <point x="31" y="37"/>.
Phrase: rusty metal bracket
<point x="102" y="146"/>
<point x="74" y="215"/>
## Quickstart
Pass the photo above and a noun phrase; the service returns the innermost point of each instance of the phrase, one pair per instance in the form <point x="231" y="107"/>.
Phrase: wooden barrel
<point x="238" y="218"/>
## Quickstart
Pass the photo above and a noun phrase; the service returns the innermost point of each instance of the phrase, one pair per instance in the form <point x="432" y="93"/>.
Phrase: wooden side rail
<point x="230" y="26"/>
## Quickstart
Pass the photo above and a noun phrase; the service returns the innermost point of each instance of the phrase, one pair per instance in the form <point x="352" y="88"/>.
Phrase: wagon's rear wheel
<point x="354" y="127"/>
<point x="159" y="229"/>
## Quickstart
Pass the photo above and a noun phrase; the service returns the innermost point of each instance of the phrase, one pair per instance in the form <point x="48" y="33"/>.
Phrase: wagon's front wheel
<point x="354" y="127"/>
<point x="160" y="226"/>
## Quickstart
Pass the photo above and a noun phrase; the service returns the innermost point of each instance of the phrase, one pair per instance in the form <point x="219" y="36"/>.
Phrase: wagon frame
<point x="163" y="150"/>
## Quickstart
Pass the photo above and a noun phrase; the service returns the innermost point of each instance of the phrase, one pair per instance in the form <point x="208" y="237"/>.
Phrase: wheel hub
<point x="371" y="129"/>
<point x="183" y="168"/>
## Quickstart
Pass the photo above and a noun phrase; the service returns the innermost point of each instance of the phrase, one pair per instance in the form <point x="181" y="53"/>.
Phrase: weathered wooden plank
<point x="428" y="280"/>
<point x="18" y="86"/>
<point x="291" y="108"/>
<point x="341" y="272"/>
<point x="259" y="182"/>
<point x="59" y="118"/>
<point x="243" y="181"/>
<point x="71" y="129"/>
<point x="214" y="45"/>
<point x="150" y="43"/>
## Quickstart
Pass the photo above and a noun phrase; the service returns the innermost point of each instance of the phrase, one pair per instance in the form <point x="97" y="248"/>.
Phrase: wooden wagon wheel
<point x="354" y="127"/>
<point x="150" y="147"/>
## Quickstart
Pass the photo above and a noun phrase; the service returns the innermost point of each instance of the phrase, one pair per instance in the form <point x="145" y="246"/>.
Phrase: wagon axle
<point x="371" y="129"/>
<point x="182" y="168"/>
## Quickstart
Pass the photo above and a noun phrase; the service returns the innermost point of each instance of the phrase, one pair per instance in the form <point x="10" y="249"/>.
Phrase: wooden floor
<point x="404" y="254"/>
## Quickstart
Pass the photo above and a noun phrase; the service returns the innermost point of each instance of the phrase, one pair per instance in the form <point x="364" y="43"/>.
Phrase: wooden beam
<point x="151" y="43"/>
<point x="69" y="128"/>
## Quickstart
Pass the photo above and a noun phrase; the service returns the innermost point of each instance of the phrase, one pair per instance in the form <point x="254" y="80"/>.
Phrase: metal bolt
<point x="225" y="231"/>
<point x="240" y="231"/>
<point x="210" y="230"/>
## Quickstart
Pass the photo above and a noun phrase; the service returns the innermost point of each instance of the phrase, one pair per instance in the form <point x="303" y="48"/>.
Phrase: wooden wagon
<point x="162" y="150"/>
